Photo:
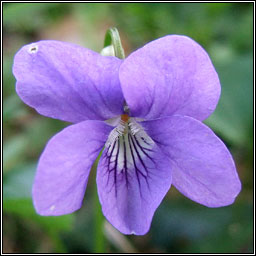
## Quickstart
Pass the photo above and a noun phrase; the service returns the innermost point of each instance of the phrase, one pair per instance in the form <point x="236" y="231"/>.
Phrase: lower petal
<point x="133" y="177"/>
<point x="202" y="167"/>
<point x="64" y="167"/>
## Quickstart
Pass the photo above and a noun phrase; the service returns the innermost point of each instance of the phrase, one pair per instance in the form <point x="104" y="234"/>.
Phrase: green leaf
<point x="193" y="228"/>
<point x="17" y="190"/>
<point x="13" y="151"/>
<point x="18" y="182"/>
<point x="13" y="108"/>
<point x="23" y="208"/>
<point x="233" y="117"/>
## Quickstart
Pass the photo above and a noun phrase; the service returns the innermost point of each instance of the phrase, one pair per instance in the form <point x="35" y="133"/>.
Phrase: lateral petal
<point x="202" y="167"/>
<point x="64" y="167"/>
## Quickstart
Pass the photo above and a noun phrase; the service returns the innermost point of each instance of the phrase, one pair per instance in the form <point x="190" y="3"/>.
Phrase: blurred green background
<point x="225" y="30"/>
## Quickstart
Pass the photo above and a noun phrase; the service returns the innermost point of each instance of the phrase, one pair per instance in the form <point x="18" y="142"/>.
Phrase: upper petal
<point x="133" y="177"/>
<point x="170" y="75"/>
<point x="64" y="167"/>
<point x="202" y="167"/>
<point x="68" y="82"/>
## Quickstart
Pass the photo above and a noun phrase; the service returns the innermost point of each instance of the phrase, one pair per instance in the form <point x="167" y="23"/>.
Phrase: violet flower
<point x="147" y="110"/>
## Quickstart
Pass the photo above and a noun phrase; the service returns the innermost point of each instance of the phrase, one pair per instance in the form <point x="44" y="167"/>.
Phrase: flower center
<point x="125" y="118"/>
<point x="127" y="143"/>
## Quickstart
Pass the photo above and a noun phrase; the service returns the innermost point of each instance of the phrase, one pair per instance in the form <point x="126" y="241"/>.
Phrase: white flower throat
<point x="127" y="144"/>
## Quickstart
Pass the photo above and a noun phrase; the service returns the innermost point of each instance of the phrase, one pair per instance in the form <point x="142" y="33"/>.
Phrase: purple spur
<point x="146" y="111"/>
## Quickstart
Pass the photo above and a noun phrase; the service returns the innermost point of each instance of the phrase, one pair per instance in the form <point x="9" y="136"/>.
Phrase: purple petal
<point x="170" y="75"/>
<point x="202" y="167"/>
<point x="64" y="167"/>
<point x="68" y="82"/>
<point x="133" y="177"/>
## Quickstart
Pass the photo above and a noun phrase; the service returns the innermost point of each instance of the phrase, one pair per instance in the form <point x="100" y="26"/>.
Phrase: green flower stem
<point x="112" y="47"/>
<point x="99" y="237"/>
<point x="112" y="38"/>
